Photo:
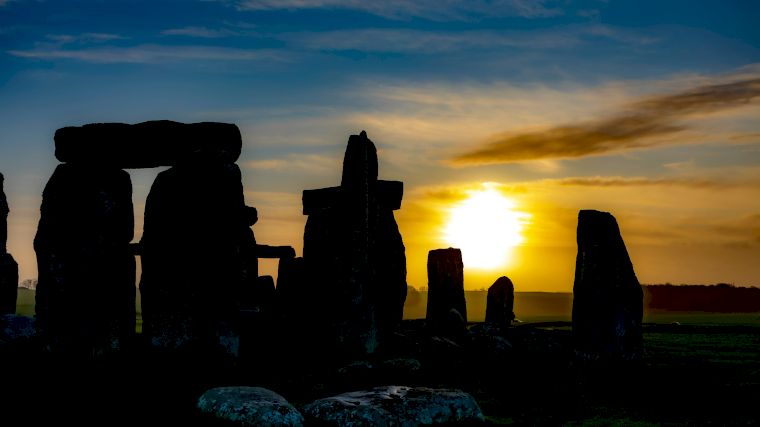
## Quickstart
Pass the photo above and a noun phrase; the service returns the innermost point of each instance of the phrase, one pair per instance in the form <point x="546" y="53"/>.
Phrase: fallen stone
<point x="446" y="291"/>
<point x="14" y="328"/>
<point x="396" y="406"/>
<point x="607" y="296"/>
<point x="148" y="144"/>
<point x="249" y="406"/>
<point x="500" y="302"/>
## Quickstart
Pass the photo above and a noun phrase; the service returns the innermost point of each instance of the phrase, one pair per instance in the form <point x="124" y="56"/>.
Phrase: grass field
<point x="702" y="370"/>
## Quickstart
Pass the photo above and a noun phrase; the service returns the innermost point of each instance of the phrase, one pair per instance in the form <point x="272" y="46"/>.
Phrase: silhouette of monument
<point x="500" y="302"/>
<point x="446" y="306"/>
<point x="607" y="296"/>
<point x="195" y="238"/>
<point x="354" y="251"/>
<point x="8" y="266"/>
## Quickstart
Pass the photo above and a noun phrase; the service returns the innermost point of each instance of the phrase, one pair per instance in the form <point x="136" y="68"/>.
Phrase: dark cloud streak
<point x="642" y="124"/>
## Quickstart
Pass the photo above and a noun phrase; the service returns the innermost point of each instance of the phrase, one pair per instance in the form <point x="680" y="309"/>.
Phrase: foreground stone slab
<point x="249" y="406"/>
<point x="148" y="144"/>
<point x="607" y="296"/>
<point x="396" y="406"/>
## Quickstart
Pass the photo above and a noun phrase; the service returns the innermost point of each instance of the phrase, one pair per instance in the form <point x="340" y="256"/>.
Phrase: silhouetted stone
<point x="445" y="289"/>
<point x="607" y="297"/>
<point x="4" y="210"/>
<point x="85" y="298"/>
<point x="500" y="302"/>
<point x="191" y="256"/>
<point x="8" y="266"/>
<point x="354" y="252"/>
<point x="8" y="284"/>
<point x="396" y="406"/>
<point x="147" y="144"/>
<point x="249" y="406"/>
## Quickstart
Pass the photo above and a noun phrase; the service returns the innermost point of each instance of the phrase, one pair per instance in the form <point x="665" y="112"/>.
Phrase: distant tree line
<point x="719" y="298"/>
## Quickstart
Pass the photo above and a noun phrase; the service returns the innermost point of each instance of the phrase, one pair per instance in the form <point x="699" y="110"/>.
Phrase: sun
<point x="486" y="227"/>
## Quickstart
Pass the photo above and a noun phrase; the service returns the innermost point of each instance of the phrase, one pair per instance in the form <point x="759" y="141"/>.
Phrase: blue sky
<point x="430" y="81"/>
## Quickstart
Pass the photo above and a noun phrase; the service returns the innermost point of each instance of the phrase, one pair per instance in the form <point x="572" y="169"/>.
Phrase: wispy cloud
<point x="434" y="42"/>
<point x="435" y="10"/>
<point x="149" y="54"/>
<point x="617" y="181"/>
<point x="643" y="123"/>
<point x="84" y="38"/>
<point x="304" y="163"/>
<point x="200" y="32"/>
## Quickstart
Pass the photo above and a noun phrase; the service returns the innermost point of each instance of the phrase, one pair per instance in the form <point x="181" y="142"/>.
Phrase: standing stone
<point x="607" y="296"/>
<point x="500" y="302"/>
<point x="85" y="300"/>
<point x="446" y="307"/>
<point x="8" y="266"/>
<point x="354" y="251"/>
<point x="191" y="256"/>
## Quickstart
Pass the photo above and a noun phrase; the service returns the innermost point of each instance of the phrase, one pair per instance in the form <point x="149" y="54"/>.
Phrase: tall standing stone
<point x="85" y="298"/>
<point x="354" y="251"/>
<point x="500" y="302"/>
<point x="446" y="305"/>
<point x="8" y="266"/>
<point x="607" y="296"/>
<point x="193" y="238"/>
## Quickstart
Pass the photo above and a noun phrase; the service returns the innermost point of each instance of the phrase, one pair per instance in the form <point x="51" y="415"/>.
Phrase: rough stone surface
<point x="354" y="252"/>
<point x="607" y="296"/>
<point x="8" y="284"/>
<point x="445" y="290"/>
<point x="85" y="299"/>
<point x="148" y="144"/>
<point x="4" y="210"/>
<point x="500" y="302"/>
<point x="8" y="266"/>
<point x="194" y="234"/>
<point x="16" y="328"/>
<point x="249" y="406"/>
<point x="396" y="406"/>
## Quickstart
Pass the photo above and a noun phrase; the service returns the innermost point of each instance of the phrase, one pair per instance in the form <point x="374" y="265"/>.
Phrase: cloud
<point x="616" y="181"/>
<point x="434" y="42"/>
<point x="644" y="123"/>
<point x="85" y="38"/>
<point x="303" y="163"/>
<point x="145" y="54"/>
<point x="435" y="10"/>
<point x="200" y="32"/>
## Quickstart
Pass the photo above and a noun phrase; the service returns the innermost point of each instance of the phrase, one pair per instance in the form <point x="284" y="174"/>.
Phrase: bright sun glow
<point x="486" y="227"/>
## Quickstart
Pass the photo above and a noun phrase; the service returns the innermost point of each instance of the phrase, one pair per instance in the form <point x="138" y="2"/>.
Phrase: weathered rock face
<point x="147" y="144"/>
<point x="8" y="284"/>
<point x="445" y="289"/>
<point x="3" y="217"/>
<point x="249" y="406"/>
<point x="607" y="296"/>
<point x="193" y="236"/>
<point x="354" y="251"/>
<point x="85" y="298"/>
<point x="8" y="266"/>
<point x="396" y="406"/>
<point x="500" y="302"/>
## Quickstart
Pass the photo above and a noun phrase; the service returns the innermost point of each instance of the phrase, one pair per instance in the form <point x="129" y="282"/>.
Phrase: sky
<point x="646" y="109"/>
